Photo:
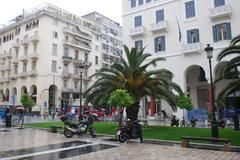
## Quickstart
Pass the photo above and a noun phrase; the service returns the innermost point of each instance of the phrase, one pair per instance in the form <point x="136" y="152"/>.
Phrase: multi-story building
<point x="40" y="54"/>
<point x="111" y="36"/>
<point x="179" y="30"/>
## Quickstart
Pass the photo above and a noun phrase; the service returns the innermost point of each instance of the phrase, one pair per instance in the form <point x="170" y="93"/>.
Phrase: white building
<point x="111" y="36"/>
<point x="179" y="30"/>
<point x="40" y="54"/>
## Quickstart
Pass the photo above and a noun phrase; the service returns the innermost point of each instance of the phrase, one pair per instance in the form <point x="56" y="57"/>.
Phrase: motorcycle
<point x="193" y="122"/>
<point x="71" y="128"/>
<point x="222" y="122"/>
<point x="130" y="130"/>
<point x="174" y="121"/>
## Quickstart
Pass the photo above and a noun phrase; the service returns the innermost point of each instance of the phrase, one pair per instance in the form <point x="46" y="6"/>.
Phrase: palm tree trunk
<point x="132" y="111"/>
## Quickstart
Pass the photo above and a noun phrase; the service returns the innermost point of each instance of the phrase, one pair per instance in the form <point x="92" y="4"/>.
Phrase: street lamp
<point x="214" y="126"/>
<point x="81" y="69"/>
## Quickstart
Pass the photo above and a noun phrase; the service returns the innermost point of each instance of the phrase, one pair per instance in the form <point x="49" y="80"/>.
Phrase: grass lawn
<point x="158" y="132"/>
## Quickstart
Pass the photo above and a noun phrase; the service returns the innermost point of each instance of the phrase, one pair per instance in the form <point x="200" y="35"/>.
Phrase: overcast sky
<point x="9" y="9"/>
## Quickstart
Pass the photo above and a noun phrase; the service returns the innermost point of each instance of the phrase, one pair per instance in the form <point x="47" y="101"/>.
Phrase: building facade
<point x="40" y="54"/>
<point x="179" y="30"/>
<point x="111" y="36"/>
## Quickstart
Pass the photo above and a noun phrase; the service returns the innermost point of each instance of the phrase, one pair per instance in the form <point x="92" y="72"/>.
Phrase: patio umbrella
<point x="20" y="108"/>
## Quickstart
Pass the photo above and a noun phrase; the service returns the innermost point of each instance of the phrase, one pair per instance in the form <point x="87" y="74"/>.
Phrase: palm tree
<point x="131" y="74"/>
<point x="230" y="70"/>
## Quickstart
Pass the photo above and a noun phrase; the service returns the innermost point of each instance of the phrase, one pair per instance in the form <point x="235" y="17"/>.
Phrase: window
<point x="54" y="66"/>
<point x="65" y="83"/>
<point x="75" y="84"/>
<point x="75" y="69"/>
<point x="34" y="64"/>
<point x="55" y="34"/>
<point x="25" y="50"/>
<point x="139" y="44"/>
<point x="76" y="54"/>
<point x="86" y="57"/>
<point x="192" y="36"/>
<point x="66" y="52"/>
<point x="140" y="2"/>
<point x="159" y="44"/>
<point x="16" y="69"/>
<point x="222" y="32"/>
<point x="24" y="67"/>
<point x="218" y="3"/>
<point x="55" y="22"/>
<point x="96" y="59"/>
<point x="147" y="1"/>
<point x="17" y="51"/>
<point x="190" y="9"/>
<point x="138" y="21"/>
<point x="35" y="47"/>
<point x="54" y="49"/>
<point x="159" y="15"/>
<point x="133" y="3"/>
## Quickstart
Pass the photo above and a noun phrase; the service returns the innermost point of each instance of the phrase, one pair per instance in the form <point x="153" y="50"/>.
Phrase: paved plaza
<point x="13" y="140"/>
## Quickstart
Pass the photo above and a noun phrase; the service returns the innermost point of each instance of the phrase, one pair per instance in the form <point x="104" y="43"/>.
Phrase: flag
<point x="179" y="31"/>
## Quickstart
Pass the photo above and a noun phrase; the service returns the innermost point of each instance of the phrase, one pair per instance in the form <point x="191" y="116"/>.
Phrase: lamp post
<point x="81" y="69"/>
<point x="214" y="126"/>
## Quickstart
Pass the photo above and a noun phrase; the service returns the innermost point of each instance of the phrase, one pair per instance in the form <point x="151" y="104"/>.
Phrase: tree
<point x="230" y="70"/>
<point x="27" y="101"/>
<point x="120" y="98"/>
<point x="132" y="75"/>
<point x="184" y="102"/>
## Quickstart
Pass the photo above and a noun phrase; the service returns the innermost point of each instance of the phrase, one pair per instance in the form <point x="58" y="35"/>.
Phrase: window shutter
<point x="229" y="34"/>
<point x="189" y="39"/>
<point x="155" y="45"/>
<point x="197" y="33"/>
<point x="215" y="34"/>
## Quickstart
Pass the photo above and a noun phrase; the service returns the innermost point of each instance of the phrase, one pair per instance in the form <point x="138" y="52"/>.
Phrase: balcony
<point x="34" y="38"/>
<point x="33" y="56"/>
<point x="16" y="44"/>
<point x="14" y="76"/>
<point x="3" y="56"/>
<point x="25" y="41"/>
<point x="66" y="74"/>
<point x="8" y="54"/>
<point x="88" y="64"/>
<point x="78" y="32"/>
<point x="77" y="44"/>
<point x="160" y="26"/>
<point x="220" y="12"/>
<point x="86" y="78"/>
<point x="77" y="61"/>
<point x="14" y="60"/>
<point x="23" y="75"/>
<point x="32" y="73"/>
<point x="67" y="58"/>
<point x="5" y="67"/>
<point x="24" y="58"/>
<point x="4" y="79"/>
<point x="67" y="89"/>
<point x="192" y="48"/>
<point x="137" y="31"/>
<point x="76" y="76"/>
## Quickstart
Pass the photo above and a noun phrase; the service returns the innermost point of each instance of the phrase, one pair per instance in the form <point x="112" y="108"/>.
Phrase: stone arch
<point x="52" y="97"/>
<point x="2" y="96"/>
<point x="7" y="93"/>
<point x="33" y="93"/>
<point x="197" y="86"/>
<point x="24" y="90"/>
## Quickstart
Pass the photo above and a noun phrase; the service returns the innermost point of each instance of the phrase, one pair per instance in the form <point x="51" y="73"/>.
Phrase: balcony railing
<point x="34" y="38"/>
<point x="5" y="67"/>
<point x="4" y="79"/>
<point x="14" y="76"/>
<point x="66" y="74"/>
<point x="76" y="76"/>
<point x="24" y="58"/>
<point x="221" y="11"/>
<point x="192" y="48"/>
<point x="67" y="89"/>
<point x="137" y="31"/>
<point x="33" y="56"/>
<point x="77" y="61"/>
<point x="23" y="75"/>
<point x="78" y="44"/>
<point x="80" y="32"/>
<point x="25" y="41"/>
<point x="66" y="58"/>
<point x="14" y="60"/>
<point x="16" y="44"/>
<point x="33" y="73"/>
<point x="160" y="26"/>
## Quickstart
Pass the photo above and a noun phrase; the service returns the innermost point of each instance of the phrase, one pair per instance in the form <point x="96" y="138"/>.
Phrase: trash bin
<point x="8" y="122"/>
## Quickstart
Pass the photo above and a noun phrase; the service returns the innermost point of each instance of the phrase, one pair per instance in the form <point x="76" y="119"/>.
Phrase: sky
<point x="9" y="9"/>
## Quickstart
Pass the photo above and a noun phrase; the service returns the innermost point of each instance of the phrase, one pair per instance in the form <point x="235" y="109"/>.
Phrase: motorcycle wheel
<point x="92" y="132"/>
<point x="67" y="133"/>
<point x="122" y="138"/>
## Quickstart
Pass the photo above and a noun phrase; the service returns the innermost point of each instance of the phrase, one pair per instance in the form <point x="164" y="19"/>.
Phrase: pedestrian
<point x="21" y="117"/>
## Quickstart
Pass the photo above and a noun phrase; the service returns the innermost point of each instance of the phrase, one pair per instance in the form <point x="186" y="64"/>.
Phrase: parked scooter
<point x="71" y="128"/>
<point x="193" y="121"/>
<point x="221" y="122"/>
<point x="174" y="121"/>
<point x="130" y="130"/>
